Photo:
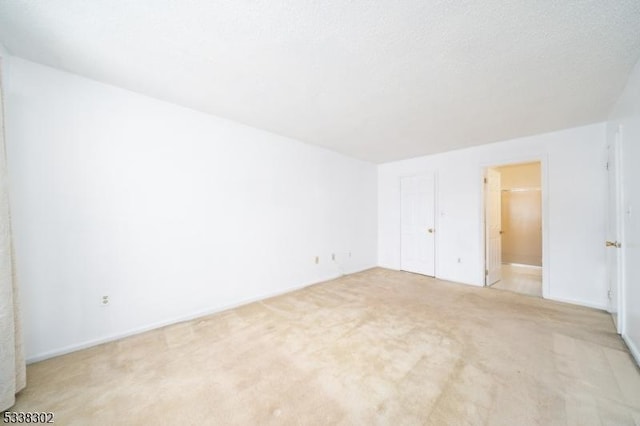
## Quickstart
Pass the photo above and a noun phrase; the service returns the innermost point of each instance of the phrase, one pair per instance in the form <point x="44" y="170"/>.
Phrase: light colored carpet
<point x="377" y="347"/>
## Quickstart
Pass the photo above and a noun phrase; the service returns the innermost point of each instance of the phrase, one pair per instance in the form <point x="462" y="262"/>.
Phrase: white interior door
<point x="417" y="203"/>
<point x="493" y="224"/>
<point x="614" y="225"/>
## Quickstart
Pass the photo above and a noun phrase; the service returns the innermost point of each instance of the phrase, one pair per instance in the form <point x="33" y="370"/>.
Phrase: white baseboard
<point x="445" y="278"/>
<point x="188" y="317"/>
<point x="392" y="267"/>
<point x="635" y="352"/>
<point x="438" y="277"/>
<point x="602" y="307"/>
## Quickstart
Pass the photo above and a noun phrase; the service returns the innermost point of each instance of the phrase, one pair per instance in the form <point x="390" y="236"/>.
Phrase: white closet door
<point x="418" y="224"/>
<point x="493" y="227"/>
<point x="614" y="232"/>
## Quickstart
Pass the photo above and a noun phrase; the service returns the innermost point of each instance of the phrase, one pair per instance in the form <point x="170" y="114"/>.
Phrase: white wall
<point x="573" y="210"/>
<point x="627" y="114"/>
<point x="170" y="212"/>
<point x="4" y="54"/>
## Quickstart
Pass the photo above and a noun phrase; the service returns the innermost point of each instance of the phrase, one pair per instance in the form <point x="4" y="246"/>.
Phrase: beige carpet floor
<point x="374" y="348"/>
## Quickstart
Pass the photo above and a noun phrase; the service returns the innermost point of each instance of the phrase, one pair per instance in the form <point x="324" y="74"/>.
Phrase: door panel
<point x="417" y="203"/>
<point x="493" y="223"/>
<point x="614" y="224"/>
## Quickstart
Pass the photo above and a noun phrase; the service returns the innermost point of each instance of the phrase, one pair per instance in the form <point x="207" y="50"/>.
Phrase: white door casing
<point x="417" y="205"/>
<point x="614" y="231"/>
<point x="493" y="223"/>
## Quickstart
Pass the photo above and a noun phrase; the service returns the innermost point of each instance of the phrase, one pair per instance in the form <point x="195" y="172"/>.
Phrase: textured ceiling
<point x="377" y="80"/>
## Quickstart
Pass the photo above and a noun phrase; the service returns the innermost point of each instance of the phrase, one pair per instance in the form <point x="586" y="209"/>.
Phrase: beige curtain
<point x="12" y="365"/>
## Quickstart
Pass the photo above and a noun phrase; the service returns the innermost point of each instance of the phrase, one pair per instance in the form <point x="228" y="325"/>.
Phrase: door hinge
<point x="607" y="165"/>
<point x="609" y="294"/>
<point x="486" y="272"/>
<point x="485" y="180"/>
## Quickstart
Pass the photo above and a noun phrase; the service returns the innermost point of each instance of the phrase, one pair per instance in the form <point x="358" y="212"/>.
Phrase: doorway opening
<point x="513" y="228"/>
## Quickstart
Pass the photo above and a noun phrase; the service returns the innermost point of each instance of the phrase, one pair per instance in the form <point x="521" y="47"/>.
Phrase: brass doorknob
<point x="613" y="244"/>
<point x="430" y="230"/>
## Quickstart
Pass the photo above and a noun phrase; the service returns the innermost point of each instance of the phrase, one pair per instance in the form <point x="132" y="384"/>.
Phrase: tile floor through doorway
<point x="523" y="279"/>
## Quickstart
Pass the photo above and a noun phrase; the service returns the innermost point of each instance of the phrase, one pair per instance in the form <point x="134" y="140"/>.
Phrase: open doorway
<point x="513" y="228"/>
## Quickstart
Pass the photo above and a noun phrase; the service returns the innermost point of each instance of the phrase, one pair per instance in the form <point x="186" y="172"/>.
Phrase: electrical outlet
<point x="104" y="301"/>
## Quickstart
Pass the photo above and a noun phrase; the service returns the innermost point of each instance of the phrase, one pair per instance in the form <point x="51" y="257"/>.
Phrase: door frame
<point x="544" y="189"/>
<point x="436" y="215"/>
